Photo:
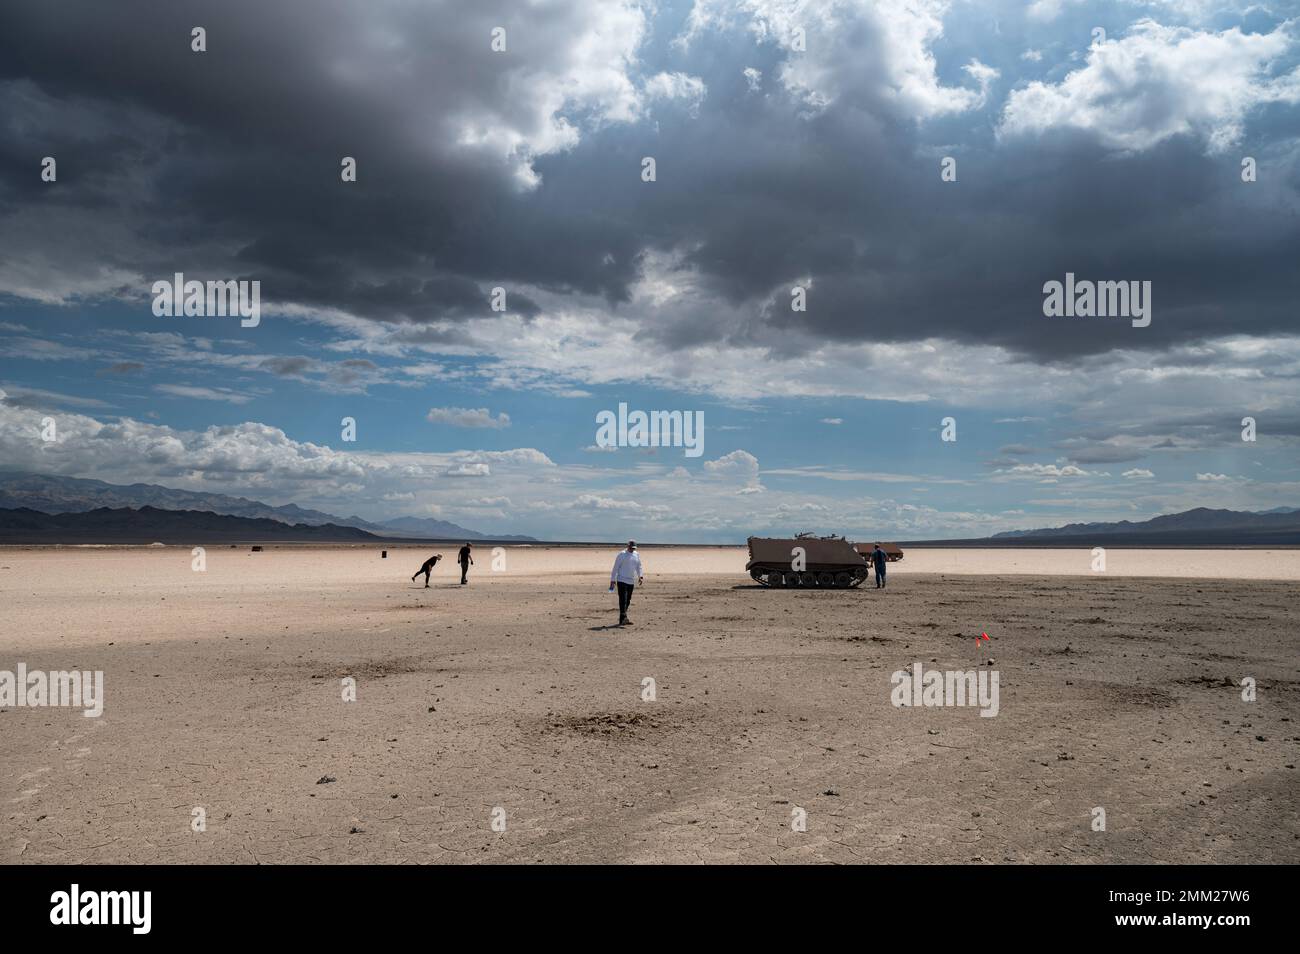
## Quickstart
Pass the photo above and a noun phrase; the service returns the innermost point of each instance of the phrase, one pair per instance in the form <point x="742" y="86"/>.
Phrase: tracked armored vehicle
<point x="825" y="562"/>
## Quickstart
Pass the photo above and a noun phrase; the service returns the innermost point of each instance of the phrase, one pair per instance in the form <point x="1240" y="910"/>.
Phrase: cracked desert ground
<point x="223" y="692"/>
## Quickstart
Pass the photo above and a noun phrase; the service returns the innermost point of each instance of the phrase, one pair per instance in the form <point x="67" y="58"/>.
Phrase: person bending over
<point x="427" y="568"/>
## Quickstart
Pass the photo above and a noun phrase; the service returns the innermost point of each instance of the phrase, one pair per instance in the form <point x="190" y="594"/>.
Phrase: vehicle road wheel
<point x="776" y="578"/>
<point x="792" y="579"/>
<point x="808" y="578"/>
<point x="826" y="579"/>
<point x="842" y="580"/>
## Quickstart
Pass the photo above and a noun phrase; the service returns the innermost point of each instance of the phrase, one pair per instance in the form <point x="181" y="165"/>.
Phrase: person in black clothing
<point x="878" y="559"/>
<point x="427" y="568"/>
<point x="466" y="561"/>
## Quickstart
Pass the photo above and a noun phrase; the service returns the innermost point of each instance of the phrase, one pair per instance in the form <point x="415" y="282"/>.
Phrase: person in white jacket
<point x="627" y="573"/>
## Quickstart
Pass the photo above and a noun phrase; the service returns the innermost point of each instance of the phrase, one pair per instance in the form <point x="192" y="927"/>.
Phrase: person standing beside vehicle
<point x="878" y="560"/>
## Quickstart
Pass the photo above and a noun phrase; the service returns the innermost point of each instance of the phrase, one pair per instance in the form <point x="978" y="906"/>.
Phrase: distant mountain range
<point x="1199" y="527"/>
<point x="48" y="494"/>
<point x="37" y="508"/>
<point x="151" y="525"/>
<point x="1200" y="519"/>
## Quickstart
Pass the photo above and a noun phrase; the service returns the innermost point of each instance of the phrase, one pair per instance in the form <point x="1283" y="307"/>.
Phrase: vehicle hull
<point x="806" y="562"/>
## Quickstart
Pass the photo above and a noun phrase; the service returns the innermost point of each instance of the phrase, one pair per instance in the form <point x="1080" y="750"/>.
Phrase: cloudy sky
<point x="794" y="143"/>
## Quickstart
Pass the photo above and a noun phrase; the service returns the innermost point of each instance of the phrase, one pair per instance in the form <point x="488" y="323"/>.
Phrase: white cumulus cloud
<point x="467" y="417"/>
<point x="1158" y="82"/>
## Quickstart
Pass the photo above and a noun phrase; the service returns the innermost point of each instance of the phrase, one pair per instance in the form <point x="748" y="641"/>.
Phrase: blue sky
<point x="1115" y="157"/>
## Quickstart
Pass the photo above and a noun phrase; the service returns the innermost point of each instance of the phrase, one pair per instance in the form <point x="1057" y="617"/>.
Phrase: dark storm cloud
<point x="1103" y="454"/>
<point x="243" y="145"/>
<point x="289" y="367"/>
<point x="231" y="159"/>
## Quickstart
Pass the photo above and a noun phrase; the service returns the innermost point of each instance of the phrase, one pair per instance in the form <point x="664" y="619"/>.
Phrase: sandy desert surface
<point x="515" y="697"/>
